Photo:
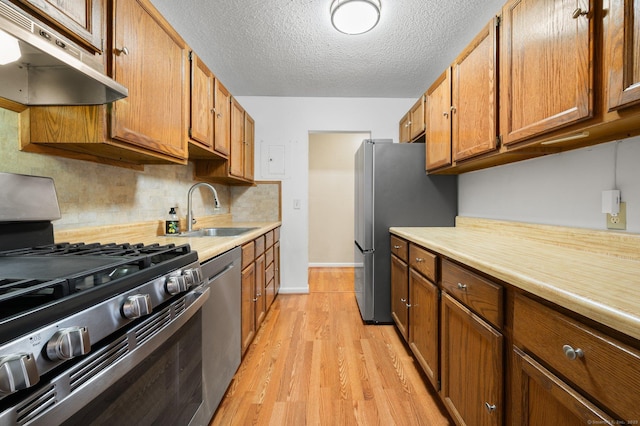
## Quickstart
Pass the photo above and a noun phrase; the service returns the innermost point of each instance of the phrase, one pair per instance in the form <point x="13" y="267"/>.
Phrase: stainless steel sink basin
<point x="215" y="232"/>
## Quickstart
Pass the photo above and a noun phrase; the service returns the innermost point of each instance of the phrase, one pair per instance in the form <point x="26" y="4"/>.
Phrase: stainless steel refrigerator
<point x="392" y="189"/>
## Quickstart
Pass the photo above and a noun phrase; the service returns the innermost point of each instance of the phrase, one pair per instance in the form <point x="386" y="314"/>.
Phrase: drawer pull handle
<point x="403" y="300"/>
<point x="396" y="247"/>
<point x="419" y="259"/>
<point x="571" y="353"/>
<point x="490" y="407"/>
<point x="462" y="287"/>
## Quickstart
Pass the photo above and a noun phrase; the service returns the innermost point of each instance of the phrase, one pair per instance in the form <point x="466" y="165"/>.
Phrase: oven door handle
<point x="69" y="401"/>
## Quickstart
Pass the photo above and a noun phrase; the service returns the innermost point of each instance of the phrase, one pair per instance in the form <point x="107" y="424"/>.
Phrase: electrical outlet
<point x="619" y="221"/>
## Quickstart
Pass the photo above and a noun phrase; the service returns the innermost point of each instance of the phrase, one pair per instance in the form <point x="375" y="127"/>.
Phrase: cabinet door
<point x="541" y="399"/>
<point x="400" y="295"/>
<point x="222" y="121"/>
<point x="622" y="41"/>
<point x="248" y="305"/>
<point x="260" y="296"/>
<point x="201" y="125"/>
<point x="417" y="118"/>
<point x="438" y="133"/>
<point x="474" y="97"/>
<point x="81" y="21"/>
<point x="276" y="266"/>
<point x="546" y="78"/>
<point x="236" y="157"/>
<point x="249" y="126"/>
<point x="472" y="366"/>
<point x="405" y="131"/>
<point x="153" y="115"/>
<point x="423" y="323"/>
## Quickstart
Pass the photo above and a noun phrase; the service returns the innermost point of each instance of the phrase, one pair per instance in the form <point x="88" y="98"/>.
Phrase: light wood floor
<point x="314" y="362"/>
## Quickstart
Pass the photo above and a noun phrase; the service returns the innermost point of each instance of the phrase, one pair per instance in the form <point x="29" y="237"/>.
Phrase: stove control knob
<point x="136" y="306"/>
<point x="17" y="372"/>
<point x="68" y="343"/>
<point x="176" y="284"/>
<point x="193" y="276"/>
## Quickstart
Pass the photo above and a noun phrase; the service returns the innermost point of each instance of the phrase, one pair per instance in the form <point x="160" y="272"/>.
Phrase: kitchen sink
<point x="215" y="232"/>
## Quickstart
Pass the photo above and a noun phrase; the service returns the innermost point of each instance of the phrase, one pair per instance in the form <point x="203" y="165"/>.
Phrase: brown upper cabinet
<point x="236" y="161"/>
<point x="222" y="120"/>
<point x="149" y="126"/>
<point x="249" y="136"/>
<point x="81" y="21"/>
<point x="622" y="44"/>
<point x="209" y="126"/>
<point x="474" y="95"/>
<point x="438" y="133"/>
<point x="547" y="75"/>
<point x="404" y="128"/>
<point x="462" y="105"/>
<point x="416" y="119"/>
<point x="201" y="127"/>
<point x="412" y="125"/>
<point x="238" y="168"/>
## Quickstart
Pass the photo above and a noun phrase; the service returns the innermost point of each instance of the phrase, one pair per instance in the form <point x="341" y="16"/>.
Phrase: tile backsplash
<point x="92" y="194"/>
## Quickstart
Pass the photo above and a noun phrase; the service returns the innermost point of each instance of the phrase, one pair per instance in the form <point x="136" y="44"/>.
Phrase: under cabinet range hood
<point x="51" y="70"/>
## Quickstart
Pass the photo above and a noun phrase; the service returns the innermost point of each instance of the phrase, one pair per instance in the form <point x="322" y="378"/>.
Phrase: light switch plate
<point x="620" y="221"/>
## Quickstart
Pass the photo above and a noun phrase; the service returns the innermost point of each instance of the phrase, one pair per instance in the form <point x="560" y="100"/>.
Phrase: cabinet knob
<point x="123" y="51"/>
<point x="490" y="407"/>
<point x="571" y="353"/>
<point x="419" y="259"/>
<point x="462" y="287"/>
<point x="396" y="247"/>
<point x="579" y="12"/>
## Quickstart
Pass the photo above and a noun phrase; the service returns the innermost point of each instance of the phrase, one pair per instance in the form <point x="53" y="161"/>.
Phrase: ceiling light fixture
<point x="355" y="16"/>
<point x="10" y="50"/>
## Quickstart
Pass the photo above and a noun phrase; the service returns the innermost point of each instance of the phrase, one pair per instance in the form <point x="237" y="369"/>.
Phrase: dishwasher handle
<point x="226" y="269"/>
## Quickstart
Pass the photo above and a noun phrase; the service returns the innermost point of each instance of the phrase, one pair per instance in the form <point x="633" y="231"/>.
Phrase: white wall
<point x="282" y="126"/>
<point x="561" y="189"/>
<point x="331" y="197"/>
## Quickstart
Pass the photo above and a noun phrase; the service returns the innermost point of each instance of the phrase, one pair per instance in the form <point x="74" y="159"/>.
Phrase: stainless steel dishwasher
<point x="221" y="332"/>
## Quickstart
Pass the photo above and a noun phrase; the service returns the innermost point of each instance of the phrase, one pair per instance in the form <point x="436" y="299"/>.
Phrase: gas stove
<point x="61" y="302"/>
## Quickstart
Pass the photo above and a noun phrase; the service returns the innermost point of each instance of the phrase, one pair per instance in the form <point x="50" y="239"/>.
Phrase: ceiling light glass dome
<point x="355" y="16"/>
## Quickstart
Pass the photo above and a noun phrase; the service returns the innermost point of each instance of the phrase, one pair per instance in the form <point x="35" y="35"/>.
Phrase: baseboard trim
<point x="332" y="265"/>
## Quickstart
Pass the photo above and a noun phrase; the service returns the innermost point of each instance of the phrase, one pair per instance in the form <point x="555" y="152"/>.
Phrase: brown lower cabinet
<point x="472" y="366"/>
<point x="260" y="267"/>
<point x="497" y="355"/>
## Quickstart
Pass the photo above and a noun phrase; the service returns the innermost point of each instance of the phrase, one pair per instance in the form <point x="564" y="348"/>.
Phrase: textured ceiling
<point x="289" y="48"/>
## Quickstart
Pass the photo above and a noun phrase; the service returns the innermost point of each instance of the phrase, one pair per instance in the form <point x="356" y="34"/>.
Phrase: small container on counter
<point x="172" y="224"/>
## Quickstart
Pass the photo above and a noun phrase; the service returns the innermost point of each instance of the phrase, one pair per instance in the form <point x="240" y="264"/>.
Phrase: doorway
<point x="331" y="197"/>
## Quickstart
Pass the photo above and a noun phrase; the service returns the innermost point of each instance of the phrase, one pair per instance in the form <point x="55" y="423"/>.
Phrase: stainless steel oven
<point x="94" y="333"/>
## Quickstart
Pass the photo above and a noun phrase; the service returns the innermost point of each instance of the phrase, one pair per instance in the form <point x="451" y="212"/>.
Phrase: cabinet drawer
<point x="423" y="261"/>
<point x="269" y="237"/>
<point x="269" y="256"/>
<point x="399" y="247"/>
<point x="259" y="245"/>
<point x="481" y="295"/>
<point x="608" y="370"/>
<point x="248" y="254"/>
<point x="268" y="273"/>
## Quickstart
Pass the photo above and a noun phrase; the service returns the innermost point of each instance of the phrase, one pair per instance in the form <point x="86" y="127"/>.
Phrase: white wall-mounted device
<point x="611" y="202"/>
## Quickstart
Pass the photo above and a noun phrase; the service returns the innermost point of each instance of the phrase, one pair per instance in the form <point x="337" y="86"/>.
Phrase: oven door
<point x="150" y="375"/>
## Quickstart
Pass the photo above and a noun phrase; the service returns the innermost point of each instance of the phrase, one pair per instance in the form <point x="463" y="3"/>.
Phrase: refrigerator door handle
<point x="364" y="251"/>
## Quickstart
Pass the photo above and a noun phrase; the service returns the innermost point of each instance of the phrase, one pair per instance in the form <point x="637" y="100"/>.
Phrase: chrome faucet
<point x="190" y="219"/>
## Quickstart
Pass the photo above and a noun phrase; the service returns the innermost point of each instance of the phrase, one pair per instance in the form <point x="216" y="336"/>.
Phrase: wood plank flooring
<point x="314" y="362"/>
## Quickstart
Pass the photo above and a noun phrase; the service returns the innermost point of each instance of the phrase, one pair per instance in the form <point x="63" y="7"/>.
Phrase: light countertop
<point x="593" y="273"/>
<point x="152" y="232"/>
